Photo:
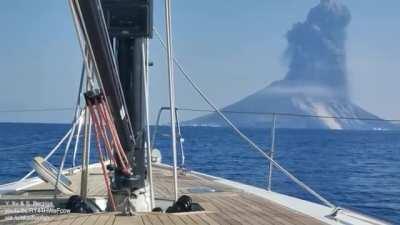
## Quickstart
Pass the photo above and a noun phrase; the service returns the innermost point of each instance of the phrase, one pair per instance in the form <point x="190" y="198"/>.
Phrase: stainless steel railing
<point x="268" y="156"/>
<point x="179" y="134"/>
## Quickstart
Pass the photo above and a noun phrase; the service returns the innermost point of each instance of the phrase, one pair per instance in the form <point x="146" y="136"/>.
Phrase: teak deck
<point x="227" y="205"/>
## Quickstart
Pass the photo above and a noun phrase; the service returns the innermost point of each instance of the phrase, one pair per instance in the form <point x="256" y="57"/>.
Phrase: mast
<point x="171" y="82"/>
<point x="116" y="34"/>
<point x="129" y="23"/>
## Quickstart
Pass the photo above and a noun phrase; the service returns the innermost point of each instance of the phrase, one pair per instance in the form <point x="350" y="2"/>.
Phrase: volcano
<point x="316" y="83"/>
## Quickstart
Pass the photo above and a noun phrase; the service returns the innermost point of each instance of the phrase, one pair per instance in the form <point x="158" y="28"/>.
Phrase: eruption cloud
<point x="316" y="49"/>
<point x="316" y="82"/>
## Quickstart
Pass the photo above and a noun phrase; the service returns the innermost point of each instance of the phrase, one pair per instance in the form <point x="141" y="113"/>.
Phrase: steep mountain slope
<point x="279" y="99"/>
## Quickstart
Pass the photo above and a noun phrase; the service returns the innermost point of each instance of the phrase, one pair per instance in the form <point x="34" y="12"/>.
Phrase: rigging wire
<point x="29" y="144"/>
<point x="224" y="111"/>
<point x="291" y="115"/>
<point x="37" y="110"/>
<point x="49" y="154"/>
<point x="240" y="133"/>
<point x="36" y="143"/>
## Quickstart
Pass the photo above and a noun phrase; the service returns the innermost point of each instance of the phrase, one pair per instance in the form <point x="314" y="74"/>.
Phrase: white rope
<point x="89" y="139"/>
<point x="79" y="112"/>
<point x="81" y="121"/>
<point x="66" y="151"/>
<point x="209" y="102"/>
<point x="49" y="154"/>
<point x="81" y="37"/>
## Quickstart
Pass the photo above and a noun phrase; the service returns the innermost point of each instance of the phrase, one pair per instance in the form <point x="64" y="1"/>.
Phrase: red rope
<point x="106" y="129"/>
<point x="102" y="131"/>
<point x="103" y="167"/>
<point x="116" y="141"/>
<point x="106" y="133"/>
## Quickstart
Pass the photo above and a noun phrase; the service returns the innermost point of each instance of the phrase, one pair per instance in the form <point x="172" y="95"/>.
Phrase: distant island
<point x="316" y="83"/>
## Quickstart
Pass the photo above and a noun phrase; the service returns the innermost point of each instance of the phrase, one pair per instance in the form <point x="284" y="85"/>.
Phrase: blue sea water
<point x="359" y="170"/>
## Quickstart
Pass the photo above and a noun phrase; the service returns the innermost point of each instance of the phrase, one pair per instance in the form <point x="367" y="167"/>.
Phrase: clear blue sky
<point x="232" y="48"/>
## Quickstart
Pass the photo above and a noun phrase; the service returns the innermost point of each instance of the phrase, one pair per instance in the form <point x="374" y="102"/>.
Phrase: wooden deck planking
<point x="80" y="220"/>
<point x="146" y="220"/>
<point x="260" y="214"/>
<point x="128" y="220"/>
<point x="252" y="217"/>
<point x="207" y="219"/>
<point x="175" y="220"/>
<point x="227" y="205"/>
<point x="229" y="213"/>
<point x="296" y="217"/>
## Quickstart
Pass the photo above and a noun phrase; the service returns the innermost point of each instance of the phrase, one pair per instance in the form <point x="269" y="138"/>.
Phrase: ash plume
<point x="316" y="49"/>
<point x="316" y="83"/>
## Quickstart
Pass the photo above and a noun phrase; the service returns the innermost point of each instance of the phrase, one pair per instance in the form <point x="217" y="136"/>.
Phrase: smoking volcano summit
<point x="316" y="83"/>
